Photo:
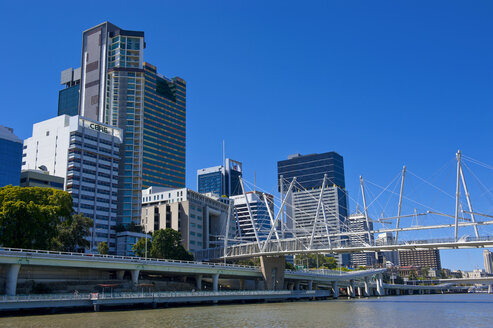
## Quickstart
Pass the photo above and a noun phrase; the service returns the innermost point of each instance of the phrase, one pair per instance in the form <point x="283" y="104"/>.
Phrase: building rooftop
<point x="7" y="133"/>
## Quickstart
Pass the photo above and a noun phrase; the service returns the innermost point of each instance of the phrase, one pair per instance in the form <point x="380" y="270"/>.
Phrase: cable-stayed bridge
<point x="328" y="233"/>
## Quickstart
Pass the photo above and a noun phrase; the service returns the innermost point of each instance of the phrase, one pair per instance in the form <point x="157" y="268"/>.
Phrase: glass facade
<point x="309" y="170"/>
<point x="210" y="182"/>
<point x="68" y="101"/>
<point x="10" y="165"/>
<point x="124" y="108"/>
<point x="164" y="130"/>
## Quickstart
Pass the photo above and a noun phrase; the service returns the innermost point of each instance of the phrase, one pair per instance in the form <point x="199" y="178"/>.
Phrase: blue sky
<point x="383" y="83"/>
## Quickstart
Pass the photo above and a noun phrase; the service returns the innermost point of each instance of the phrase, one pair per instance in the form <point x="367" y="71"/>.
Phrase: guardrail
<point x="96" y="257"/>
<point x="130" y="295"/>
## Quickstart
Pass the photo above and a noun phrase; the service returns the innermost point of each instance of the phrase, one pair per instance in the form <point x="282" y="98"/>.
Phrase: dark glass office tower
<point x="309" y="170"/>
<point x="302" y="202"/>
<point x="223" y="181"/>
<point x="68" y="98"/>
<point x="164" y="130"/>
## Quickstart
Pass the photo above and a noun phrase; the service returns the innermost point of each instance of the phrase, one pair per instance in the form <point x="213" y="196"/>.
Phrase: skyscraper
<point x="119" y="89"/>
<point x="357" y="223"/>
<point x="11" y="157"/>
<point x="488" y="261"/>
<point x="68" y="98"/>
<point x="311" y="173"/>
<point x="85" y="155"/>
<point x="221" y="180"/>
<point x="164" y="130"/>
<point x="260" y="215"/>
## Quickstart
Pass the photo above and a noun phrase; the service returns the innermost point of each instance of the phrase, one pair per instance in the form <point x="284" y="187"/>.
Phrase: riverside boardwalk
<point x="22" y="264"/>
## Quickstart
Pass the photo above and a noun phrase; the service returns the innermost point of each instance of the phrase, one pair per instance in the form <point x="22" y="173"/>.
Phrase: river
<point x="462" y="310"/>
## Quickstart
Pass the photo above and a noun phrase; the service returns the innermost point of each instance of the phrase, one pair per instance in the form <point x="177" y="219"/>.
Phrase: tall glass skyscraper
<point x="119" y="89"/>
<point x="164" y="130"/>
<point x="302" y="202"/>
<point x="11" y="157"/>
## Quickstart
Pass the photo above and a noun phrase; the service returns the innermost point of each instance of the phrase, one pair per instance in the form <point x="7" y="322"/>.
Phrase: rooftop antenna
<point x="223" y="178"/>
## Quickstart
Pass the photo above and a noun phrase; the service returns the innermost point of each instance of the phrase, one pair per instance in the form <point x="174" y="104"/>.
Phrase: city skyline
<point x="388" y="79"/>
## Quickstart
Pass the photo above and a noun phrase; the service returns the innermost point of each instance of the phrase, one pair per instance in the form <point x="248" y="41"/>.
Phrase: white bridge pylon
<point x="321" y="237"/>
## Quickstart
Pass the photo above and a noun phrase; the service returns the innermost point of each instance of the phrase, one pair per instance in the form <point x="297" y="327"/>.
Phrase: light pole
<point x="145" y="256"/>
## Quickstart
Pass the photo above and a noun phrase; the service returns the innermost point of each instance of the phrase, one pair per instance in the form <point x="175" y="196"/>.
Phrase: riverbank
<point x="440" y="311"/>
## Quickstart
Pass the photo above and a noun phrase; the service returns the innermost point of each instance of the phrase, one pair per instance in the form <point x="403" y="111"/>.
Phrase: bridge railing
<point x="130" y="295"/>
<point x="118" y="258"/>
<point x="302" y="244"/>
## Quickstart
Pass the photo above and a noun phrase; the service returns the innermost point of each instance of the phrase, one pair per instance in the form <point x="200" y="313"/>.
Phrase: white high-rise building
<point x="357" y="223"/>
<point x="86" y="153"/>
<point x="260" y="215"/>
<point x="488" y="261"/>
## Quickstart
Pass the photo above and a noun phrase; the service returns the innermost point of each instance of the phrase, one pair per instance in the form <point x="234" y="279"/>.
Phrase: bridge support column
<point x="11" y="282"/>
<point x="380" y="289"/>
<point x="272" y="268"/>
<point x="257" y="284"/>
<point x="351" y="289"/>
<point x="215" y="282"/>
<point x="490" y="289"/>
<point x="135" y="276"/>
<point x="120" y="274"/>
<point x="397" y="291"/>
<point x="198" y="282"/>
<point x="335" y="289"/>
<point x="297" y="285"/>
<point x="310" y="284"/>
<point x="367" y="287"/>
<point x="360" y="291"/>
<point x="242" y="284"/>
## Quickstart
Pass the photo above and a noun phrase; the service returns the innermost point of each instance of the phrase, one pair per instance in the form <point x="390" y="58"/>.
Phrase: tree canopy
<point x="312" y="260"/>
<point x="30" y="216"/>
<point x="71" y="233"/>
<point x="103" y="248"/>
<point x="165" y="244"/>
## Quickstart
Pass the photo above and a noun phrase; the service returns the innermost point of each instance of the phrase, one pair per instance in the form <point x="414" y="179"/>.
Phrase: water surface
<point x="464" y="310"/>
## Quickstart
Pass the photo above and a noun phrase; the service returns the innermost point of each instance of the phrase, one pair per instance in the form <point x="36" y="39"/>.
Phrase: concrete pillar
<point x="135" y="276"/>
<point x="297" y="285"/>
<point x="367" y="287"/>
<point x="397" y="291"/>
<point x="242" y="284"/>
<point x="120" y="274"/>
<point x="257" y="284"/>
<point x="272" y="268"/>
<point x="215" y="282"/>
<point x="198" y="282"/>
<point x="335" y="289"/>
<point x="351" y="288"/>
<point x="310" y="285"/>
<point x="11" y="282"/>
<point x="490" y="289"/>
<point x="315" y="286"/>
<point x="360" y="291"/>
<point x="380" y="289"/>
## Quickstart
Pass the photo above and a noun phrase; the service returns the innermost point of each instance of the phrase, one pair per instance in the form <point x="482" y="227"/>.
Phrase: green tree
<point x="317" y="260"/>
<point x="29" y="216"/>
<point x="139" y="246"/>
<point x="103" y="248"/>
<point x="72" y="233"/>
<point x="165" y="244"/>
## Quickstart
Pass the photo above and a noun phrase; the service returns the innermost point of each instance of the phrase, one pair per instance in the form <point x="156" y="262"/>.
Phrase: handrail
<point x="119" y="257"/>
<point x="130" y="295"/>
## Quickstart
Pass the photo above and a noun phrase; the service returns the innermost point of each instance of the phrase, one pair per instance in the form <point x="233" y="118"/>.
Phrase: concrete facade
<point x="201" y="219"/>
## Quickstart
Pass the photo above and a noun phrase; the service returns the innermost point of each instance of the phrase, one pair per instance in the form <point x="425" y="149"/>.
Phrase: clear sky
<point x="383" y="83"/>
